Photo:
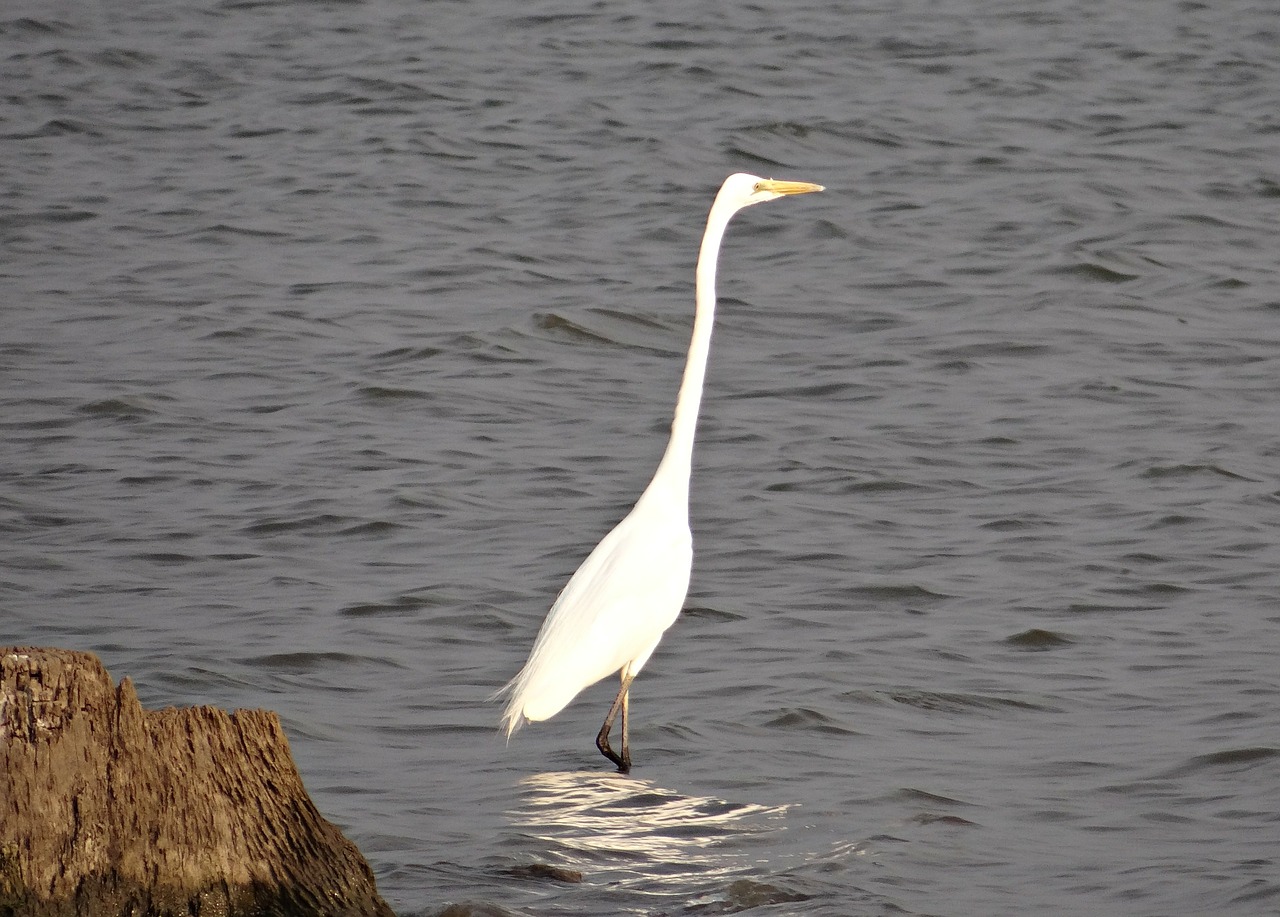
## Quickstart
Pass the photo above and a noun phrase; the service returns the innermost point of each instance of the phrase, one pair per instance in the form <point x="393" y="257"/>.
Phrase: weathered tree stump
<point x="108" y="809"/>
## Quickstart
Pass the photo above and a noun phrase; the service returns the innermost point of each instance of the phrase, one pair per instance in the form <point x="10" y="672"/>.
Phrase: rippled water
<point x="335" y="334"/>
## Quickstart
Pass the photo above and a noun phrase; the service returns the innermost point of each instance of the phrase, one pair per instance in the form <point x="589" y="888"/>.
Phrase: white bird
<point x="630" y="589"/>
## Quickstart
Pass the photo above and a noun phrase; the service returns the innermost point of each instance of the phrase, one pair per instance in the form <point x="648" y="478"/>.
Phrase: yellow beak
<point x="787" y="187"/>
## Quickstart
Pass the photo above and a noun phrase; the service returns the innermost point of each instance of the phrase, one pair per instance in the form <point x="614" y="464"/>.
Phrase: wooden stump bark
<point x="108" y="809"/>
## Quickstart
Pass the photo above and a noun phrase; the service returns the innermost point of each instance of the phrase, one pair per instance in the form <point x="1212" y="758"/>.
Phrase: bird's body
<point x="639" y="584"/>
<point x="630" y="589"/>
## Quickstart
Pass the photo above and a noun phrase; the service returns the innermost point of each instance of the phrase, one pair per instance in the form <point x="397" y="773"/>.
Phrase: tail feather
<point x="512" y="717"/>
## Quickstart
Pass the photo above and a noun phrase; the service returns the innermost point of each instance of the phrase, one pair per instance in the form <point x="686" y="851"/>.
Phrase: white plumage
<point x="613" y="611"/>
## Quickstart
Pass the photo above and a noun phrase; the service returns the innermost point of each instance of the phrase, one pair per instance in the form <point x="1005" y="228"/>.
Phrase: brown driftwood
<point x="108" y="809"/>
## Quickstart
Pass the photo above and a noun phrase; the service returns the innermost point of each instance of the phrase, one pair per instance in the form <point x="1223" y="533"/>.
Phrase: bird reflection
<point x="608" y="821"/>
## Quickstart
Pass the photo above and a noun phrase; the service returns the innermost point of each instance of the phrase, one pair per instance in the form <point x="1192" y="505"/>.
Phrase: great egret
<point x="615" y="608"/>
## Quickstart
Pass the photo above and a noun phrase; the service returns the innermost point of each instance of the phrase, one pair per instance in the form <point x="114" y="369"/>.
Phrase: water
<point x="335" y="334"/>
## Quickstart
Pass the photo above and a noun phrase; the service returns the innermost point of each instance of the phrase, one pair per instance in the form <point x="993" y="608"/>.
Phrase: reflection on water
<point x="614" y="822"/>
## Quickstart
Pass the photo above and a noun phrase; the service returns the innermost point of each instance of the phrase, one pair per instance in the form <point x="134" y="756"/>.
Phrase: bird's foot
<point x="623" y="761"/>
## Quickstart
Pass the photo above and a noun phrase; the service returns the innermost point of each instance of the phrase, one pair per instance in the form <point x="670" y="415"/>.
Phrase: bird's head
<point x="743" y="190"/>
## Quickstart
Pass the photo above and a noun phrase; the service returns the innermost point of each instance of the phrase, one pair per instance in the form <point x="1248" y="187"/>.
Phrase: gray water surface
<point x="335" y="334"/>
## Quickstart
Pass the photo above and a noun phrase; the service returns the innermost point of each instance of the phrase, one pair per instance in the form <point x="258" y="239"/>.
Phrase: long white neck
<point x="673" y="471"/>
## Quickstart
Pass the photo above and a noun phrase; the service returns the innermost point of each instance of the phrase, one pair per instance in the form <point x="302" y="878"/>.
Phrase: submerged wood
<point x="108" y="809"/>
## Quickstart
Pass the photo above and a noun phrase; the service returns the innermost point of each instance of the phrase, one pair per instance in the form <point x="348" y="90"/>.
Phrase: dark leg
<point x="626" y="745"/>
<point x="602" y="739"/>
